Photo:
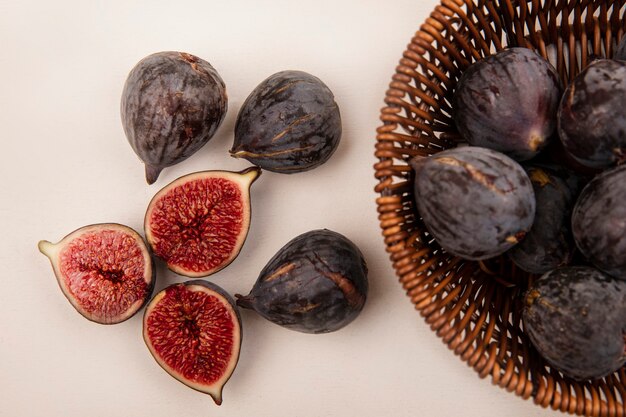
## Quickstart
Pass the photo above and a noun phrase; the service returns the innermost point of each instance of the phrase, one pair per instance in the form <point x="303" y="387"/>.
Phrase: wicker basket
<point x="476" y="307"/>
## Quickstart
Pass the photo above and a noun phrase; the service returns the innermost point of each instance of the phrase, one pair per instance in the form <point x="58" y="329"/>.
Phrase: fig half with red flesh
<point x="198" y="223"/>
<point x="193" y="330"/>
<point x="105" y="271"/>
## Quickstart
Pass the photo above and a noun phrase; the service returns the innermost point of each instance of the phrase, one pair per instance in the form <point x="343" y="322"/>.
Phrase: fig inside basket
<point x="475" y="307"/>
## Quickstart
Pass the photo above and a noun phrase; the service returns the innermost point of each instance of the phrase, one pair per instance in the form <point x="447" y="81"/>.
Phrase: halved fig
<point x="198" y="223"/>
<point x="105" y="271"/>
<point x="193" y="330"/>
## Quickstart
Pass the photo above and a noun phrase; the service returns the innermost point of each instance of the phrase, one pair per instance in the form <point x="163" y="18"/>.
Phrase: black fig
<point x="476" y="202"/>
<point x="576" y="319"/>
<point x="198" y="223"/>
<point x="172" y="104"/>
<point x="591" y="120"/>
<point x="289" y="123"/>
<point x="555" y="154"/>
<point x="508" y="102"/>
<point x="549" y="243"/>
<point x="104" y="270"/>
<point x="620" y="51"/>
<point x="193" y="330"/>
<point x="316" y="283"/>
<point x="599" y="222"/>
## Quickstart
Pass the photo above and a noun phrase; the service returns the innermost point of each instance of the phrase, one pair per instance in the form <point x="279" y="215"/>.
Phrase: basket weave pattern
<point x="476" y="307"/>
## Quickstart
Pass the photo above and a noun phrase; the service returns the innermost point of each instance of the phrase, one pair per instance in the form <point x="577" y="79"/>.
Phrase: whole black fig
<point x="316" y="283"/>
<point x="476" y="202"/>
<point x="576" y="319"/>
<point x="620" y="51"/>
<point x="549" y="243"/>
<point x="289" y="123"/>
<point x="508" y="102"/>
<point x="172" y="104"/>
<point x="591" y="120"/>
<point x="599" y="222"/>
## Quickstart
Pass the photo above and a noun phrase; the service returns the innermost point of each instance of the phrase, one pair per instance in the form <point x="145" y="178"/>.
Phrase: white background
<point x="66" y="163"/>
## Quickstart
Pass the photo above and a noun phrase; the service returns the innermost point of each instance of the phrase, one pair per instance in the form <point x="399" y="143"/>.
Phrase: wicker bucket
<point x="476" y="307"/>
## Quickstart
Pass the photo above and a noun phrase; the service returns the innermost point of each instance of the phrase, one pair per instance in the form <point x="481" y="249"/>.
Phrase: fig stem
<point x="251" y="174"/>
<point x="217" y="397"/>
<point x="152" y="173"/>
<point x="245" y="301"/>
<point x="45" y="247"/>
<point x="417" y="163"/>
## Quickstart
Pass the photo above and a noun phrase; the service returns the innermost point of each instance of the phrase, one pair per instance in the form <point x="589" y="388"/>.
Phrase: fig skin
<point x="508" y="102"/>
<point x="556" y="154"/>
<point x="620" y="51"/>
<point x="214" y="389"/>
<point x="290" y="123"/>
<point x="591" y="121"/>
<point x="199" y="222"/>
<point x="576" y="319"/>
<point x="599" y="222"/>
<point x="95" y="269"/>
<point x="549" y="243"/>
<point x="316" y="283"/>
<point x="172" y="104"/>
<point x="476" y="202"/>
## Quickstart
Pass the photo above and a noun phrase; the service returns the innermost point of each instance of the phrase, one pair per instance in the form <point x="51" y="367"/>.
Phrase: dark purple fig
<point x="549" y="243"/>
<point x="576" y="319"/>
<point x="289" y="123"/>
<point x="620" y="51"/>
<point x="105" y="271"/>
<point x="172" y="104"/>
<point x="316" y="283"/>
<point x="555" y="153"/>
<point x="476" y="202"/>
<point x="198" y="223"/>
<point x="193" y="330"/>
<point x="508" y="102"/>
<point x="599" y="222"/>
<point x="592" y="124"/>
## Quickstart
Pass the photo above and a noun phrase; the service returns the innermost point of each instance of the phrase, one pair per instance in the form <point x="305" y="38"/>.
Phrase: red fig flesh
<point x="193" y="330"/>
<point x="104" y="270"/>
<point x="198" y="223"/>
